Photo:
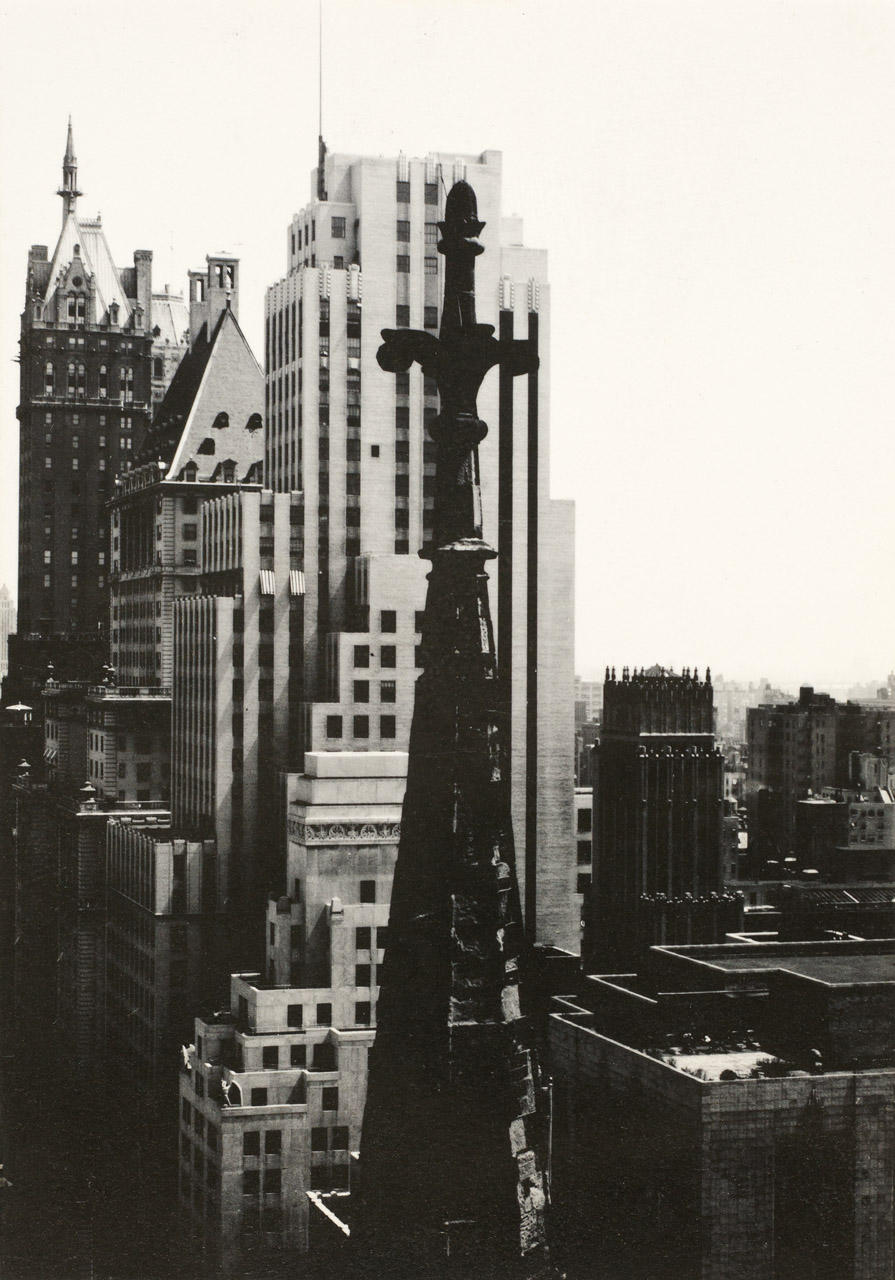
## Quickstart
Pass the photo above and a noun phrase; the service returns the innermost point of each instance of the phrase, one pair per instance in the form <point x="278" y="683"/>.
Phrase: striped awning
<point x="50" y="752"/>
<point x="296" y="582"/>
<point x="267" y="582"/>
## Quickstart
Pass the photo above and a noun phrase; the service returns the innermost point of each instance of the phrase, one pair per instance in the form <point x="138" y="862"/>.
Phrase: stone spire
<point x="69" y="189"/>
<point x="453" y="1171"/>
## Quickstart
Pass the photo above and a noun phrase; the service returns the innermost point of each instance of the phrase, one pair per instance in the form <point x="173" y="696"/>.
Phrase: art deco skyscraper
<point x="362" y="256"/>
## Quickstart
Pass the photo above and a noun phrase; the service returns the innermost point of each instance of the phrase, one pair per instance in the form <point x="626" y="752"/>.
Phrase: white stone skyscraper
<point x="362" y="257"/>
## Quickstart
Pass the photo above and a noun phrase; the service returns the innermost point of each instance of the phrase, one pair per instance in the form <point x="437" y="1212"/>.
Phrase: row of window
<point x="402" y="191"/>
<point x="76" y="381"/>
<point x="402" y="231"/>
<point x="361" y="727"/>
<point x="402" y="264"/>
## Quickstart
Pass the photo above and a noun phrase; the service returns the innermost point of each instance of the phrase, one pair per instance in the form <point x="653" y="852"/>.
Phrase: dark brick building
<point x="86" y="389"/>
<point x="658" y="786"/>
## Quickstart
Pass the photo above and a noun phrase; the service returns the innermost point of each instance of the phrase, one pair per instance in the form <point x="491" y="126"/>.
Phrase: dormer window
<point x="207" y="446"/>
<point x="221" y="421"/>
<point x="254" y="423"/>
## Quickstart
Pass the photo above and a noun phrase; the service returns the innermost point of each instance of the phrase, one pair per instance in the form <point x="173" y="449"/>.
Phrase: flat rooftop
<point x="846" y="963"/>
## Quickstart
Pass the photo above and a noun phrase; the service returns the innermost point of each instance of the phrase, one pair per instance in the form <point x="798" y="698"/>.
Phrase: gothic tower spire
<point x="453" y="1179"/>
<point x="69" y="189"/>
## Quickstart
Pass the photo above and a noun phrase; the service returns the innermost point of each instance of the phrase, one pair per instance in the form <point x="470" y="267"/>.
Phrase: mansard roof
<point x="85" y="237"/>
<point x="217" y="388"/>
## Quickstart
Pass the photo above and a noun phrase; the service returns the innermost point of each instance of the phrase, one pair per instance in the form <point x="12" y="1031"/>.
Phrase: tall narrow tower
<point x="452" y="1168"/>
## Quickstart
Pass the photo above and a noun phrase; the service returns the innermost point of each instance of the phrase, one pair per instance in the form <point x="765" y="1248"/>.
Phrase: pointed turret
<point x="69" y="189"/>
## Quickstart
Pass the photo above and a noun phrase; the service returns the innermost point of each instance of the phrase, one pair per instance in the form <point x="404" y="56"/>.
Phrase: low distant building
<point x="272" y="1091"/>
<point x="729" y="1113"/>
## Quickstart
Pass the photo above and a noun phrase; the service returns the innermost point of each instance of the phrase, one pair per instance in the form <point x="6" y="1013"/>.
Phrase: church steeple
<point x="69" y="189"/>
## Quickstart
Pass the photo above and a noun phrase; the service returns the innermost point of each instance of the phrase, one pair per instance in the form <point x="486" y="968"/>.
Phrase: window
<point x="431" y="233"/>
<point x="103" y="382"/>
<point x="402" y="191"/>
<point x="402" y="486"/>
<point x="402" y="383"/>
<point x="402" y="417"/>
<point x="338" y="262"/>
<point x="361" y="655"/>
<point x="430" y="266"/>
<point x="584" y="820"/>
<point x="259" y="1098"/>
<point x="318" y="1138"/>
<point x="431" y="317"/>
<point x="251" y="1181"/>
<point x="324" y="1015"/>
<point x="402" y="263"/>
<point x="387" y="691"/>
<point x="251" y="1142"/>
<point x="362" y="691"/>
<point x="294" y="1015"/>
<point x="382" y="936"/>
<point x="338" y="228"/>
<point x="387" y="726"/>
<point x="583" y="884"/>
<point x="402" y="315"/>
<point x="583" y="853"/>
<point x="402" y="230"/>
<point x="272" y="1180"/>
<point x="362" y="1013"/>
<point x="189" y="532"/>
<point x="298" y="1055"/>
<point x="418" y="619"/>
<point x="368" y="890"/>
<point x="48" y="556"/>
<point x="334" y="726"/>
<point x="374" y="450"/>
<point x="330" y="1098"/>
<point x="388" y="655"/>
<point x="431" y="193"/>
<point x="363" y="937"/>
<point x="361" y="726"/>
<point x="362" y="975"/>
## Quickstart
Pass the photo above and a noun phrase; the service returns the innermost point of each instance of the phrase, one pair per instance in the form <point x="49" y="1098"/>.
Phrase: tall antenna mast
<point x="321" y="145"/>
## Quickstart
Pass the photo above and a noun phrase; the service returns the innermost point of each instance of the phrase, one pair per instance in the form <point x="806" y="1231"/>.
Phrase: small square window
<point x="431" y="317"/>
<point x="298" y="1055"/>
<point x="418" y="619"/>
<point x="338" y="228"/>
<point x="388" y="655"/>
<point x="583" y="884"/>
<point x="387" y="691"/>
<point x="334" y="726"/>
<point x="382" y="936"/>
<point x="273" y="1141"/>
<point x="324" y="1015"/>
<point x="431" y="193"/>
<point x="431" y="266"/>
<point x="340" y="1137"/>
<point x="387" y="726"/>
<point x="361" y="726"/>
<point x="584" y="853"/>
<point x="368" y="890"/>
<point x="330" y="1098"/>
<point x="318" y="1138"/>
<point x="374" y="450"/>
<point x="251" y="1182"/>
<point x="402" y="230"/>
<point x="361" y="655"/>
<point x="294" y="1015"/>
<point x="363" y="1013"/>
<point x="362" y="691"/>
<point x="363" y="937"/>
<point x="402" y="190"/>
<point x="431" y="233"/>
<point x="251" y="1142"/>
<point x="362" y="975"/>
<point x="402" y="263"/>
<point x="259" y="1098"/>
<point x="402" y="315"/>
<point x="273" y="1181"/>
<point x="388" y="620"/>
<point x="584" y="820"/>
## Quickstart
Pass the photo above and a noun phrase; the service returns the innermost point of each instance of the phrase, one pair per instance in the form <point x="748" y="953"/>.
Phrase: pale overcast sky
<point x="715" y="184"/>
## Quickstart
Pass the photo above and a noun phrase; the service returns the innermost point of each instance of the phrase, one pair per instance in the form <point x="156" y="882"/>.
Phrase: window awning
<point x="296" y="582"/>
<point x="267" y="582"/>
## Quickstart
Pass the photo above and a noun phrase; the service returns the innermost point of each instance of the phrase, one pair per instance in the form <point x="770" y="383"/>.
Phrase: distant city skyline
<point x="716" y="197"/>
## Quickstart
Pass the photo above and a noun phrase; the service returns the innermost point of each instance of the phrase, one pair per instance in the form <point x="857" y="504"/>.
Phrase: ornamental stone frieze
<point x="344" y="832"/>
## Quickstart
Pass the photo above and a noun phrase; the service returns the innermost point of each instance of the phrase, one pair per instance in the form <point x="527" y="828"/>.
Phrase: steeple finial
<point x="69" y="189"/>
